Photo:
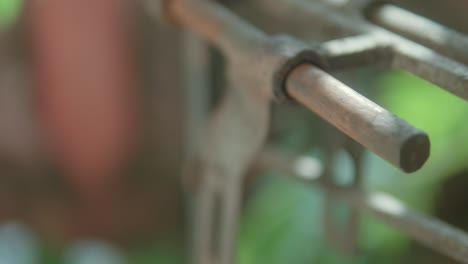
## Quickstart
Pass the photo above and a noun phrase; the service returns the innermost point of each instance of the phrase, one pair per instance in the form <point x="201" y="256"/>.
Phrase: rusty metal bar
<point x="433" y="35"/>
<point x="377" y="129"/>
<point x="197" y="87"/>
<point x="343" y="234"/>
<point x="233" y="36"/>
<point x="231" y="201"/>
<point x="199" y="207"/>
<point x="425" y="229"/>
<point x="355" y="51"/>
<point x="433" y="67"/>
<point x="256" y="56"/>
<point x="409" y="55"/>
<point x="204" y="219"/>
<point x="230" y="143"/>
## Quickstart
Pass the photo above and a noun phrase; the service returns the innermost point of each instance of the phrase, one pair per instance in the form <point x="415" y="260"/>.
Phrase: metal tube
<point x="231" y="200"/>
<point x="429" y="231"/>
<point x="232" y="35"/>
<point x="356" y="51"/>
<point x="204" y="219"/>
<point x="435" y="36"/>
<point x="366" y="122"/>
<point x="432" y="67"/>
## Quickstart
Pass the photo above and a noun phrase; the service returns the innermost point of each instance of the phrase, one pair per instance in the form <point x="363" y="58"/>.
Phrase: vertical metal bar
<point x="204" y="220"/>
<point x="356" y="152"/>
<point x="197" y="87"/>
<point x="200" y="211"/>
<point x="231" y="195"/>
<point x="235" y="133"/>
<point x="334" y="141"/>
<point x="344" y="237"/>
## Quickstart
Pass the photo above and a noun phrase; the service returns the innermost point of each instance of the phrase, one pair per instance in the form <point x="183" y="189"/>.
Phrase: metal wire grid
<point x="263" y="69"/>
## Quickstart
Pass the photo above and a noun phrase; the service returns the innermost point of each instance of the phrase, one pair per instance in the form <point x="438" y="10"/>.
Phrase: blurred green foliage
<point x="162" y="252"/>
<point x="9" y="11"/>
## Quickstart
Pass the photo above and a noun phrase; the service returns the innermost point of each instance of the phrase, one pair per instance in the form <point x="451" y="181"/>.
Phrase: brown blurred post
<point x="87" y="93"/>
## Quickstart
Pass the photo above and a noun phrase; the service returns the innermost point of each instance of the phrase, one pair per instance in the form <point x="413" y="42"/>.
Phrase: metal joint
<point x="293" y="52"/>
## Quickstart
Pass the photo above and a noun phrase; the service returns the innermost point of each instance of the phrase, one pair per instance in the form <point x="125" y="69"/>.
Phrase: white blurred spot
<point x="343" y="168"/>
<point x="383" y="202"/>
<point x="308" y="168"/>
<point x="18" y="245"/>
<point x="93" y="252"/>
<point x="337" y="2"/>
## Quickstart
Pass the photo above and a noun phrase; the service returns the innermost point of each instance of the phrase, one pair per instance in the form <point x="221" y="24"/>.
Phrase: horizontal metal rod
<point x="317" y="14"/>
<point x="429" y="231"/>
<point x="232" y="35"/>
<point x="387" y="135"/>
<point x="425" y="229"/>
<point x="377" y="129"/>
<point x="432" y="67"/>
<point x="433" y="35"/>
<point x="355" y="51"/>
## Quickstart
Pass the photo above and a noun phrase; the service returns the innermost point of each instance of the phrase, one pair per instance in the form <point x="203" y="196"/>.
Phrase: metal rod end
<point x="414" y="152"/>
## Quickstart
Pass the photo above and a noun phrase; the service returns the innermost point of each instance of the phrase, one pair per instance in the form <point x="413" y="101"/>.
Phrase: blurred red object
<point x="87" y="90"/>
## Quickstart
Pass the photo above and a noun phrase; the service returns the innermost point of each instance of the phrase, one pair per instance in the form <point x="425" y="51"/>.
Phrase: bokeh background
<point x="96" y="120"/>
